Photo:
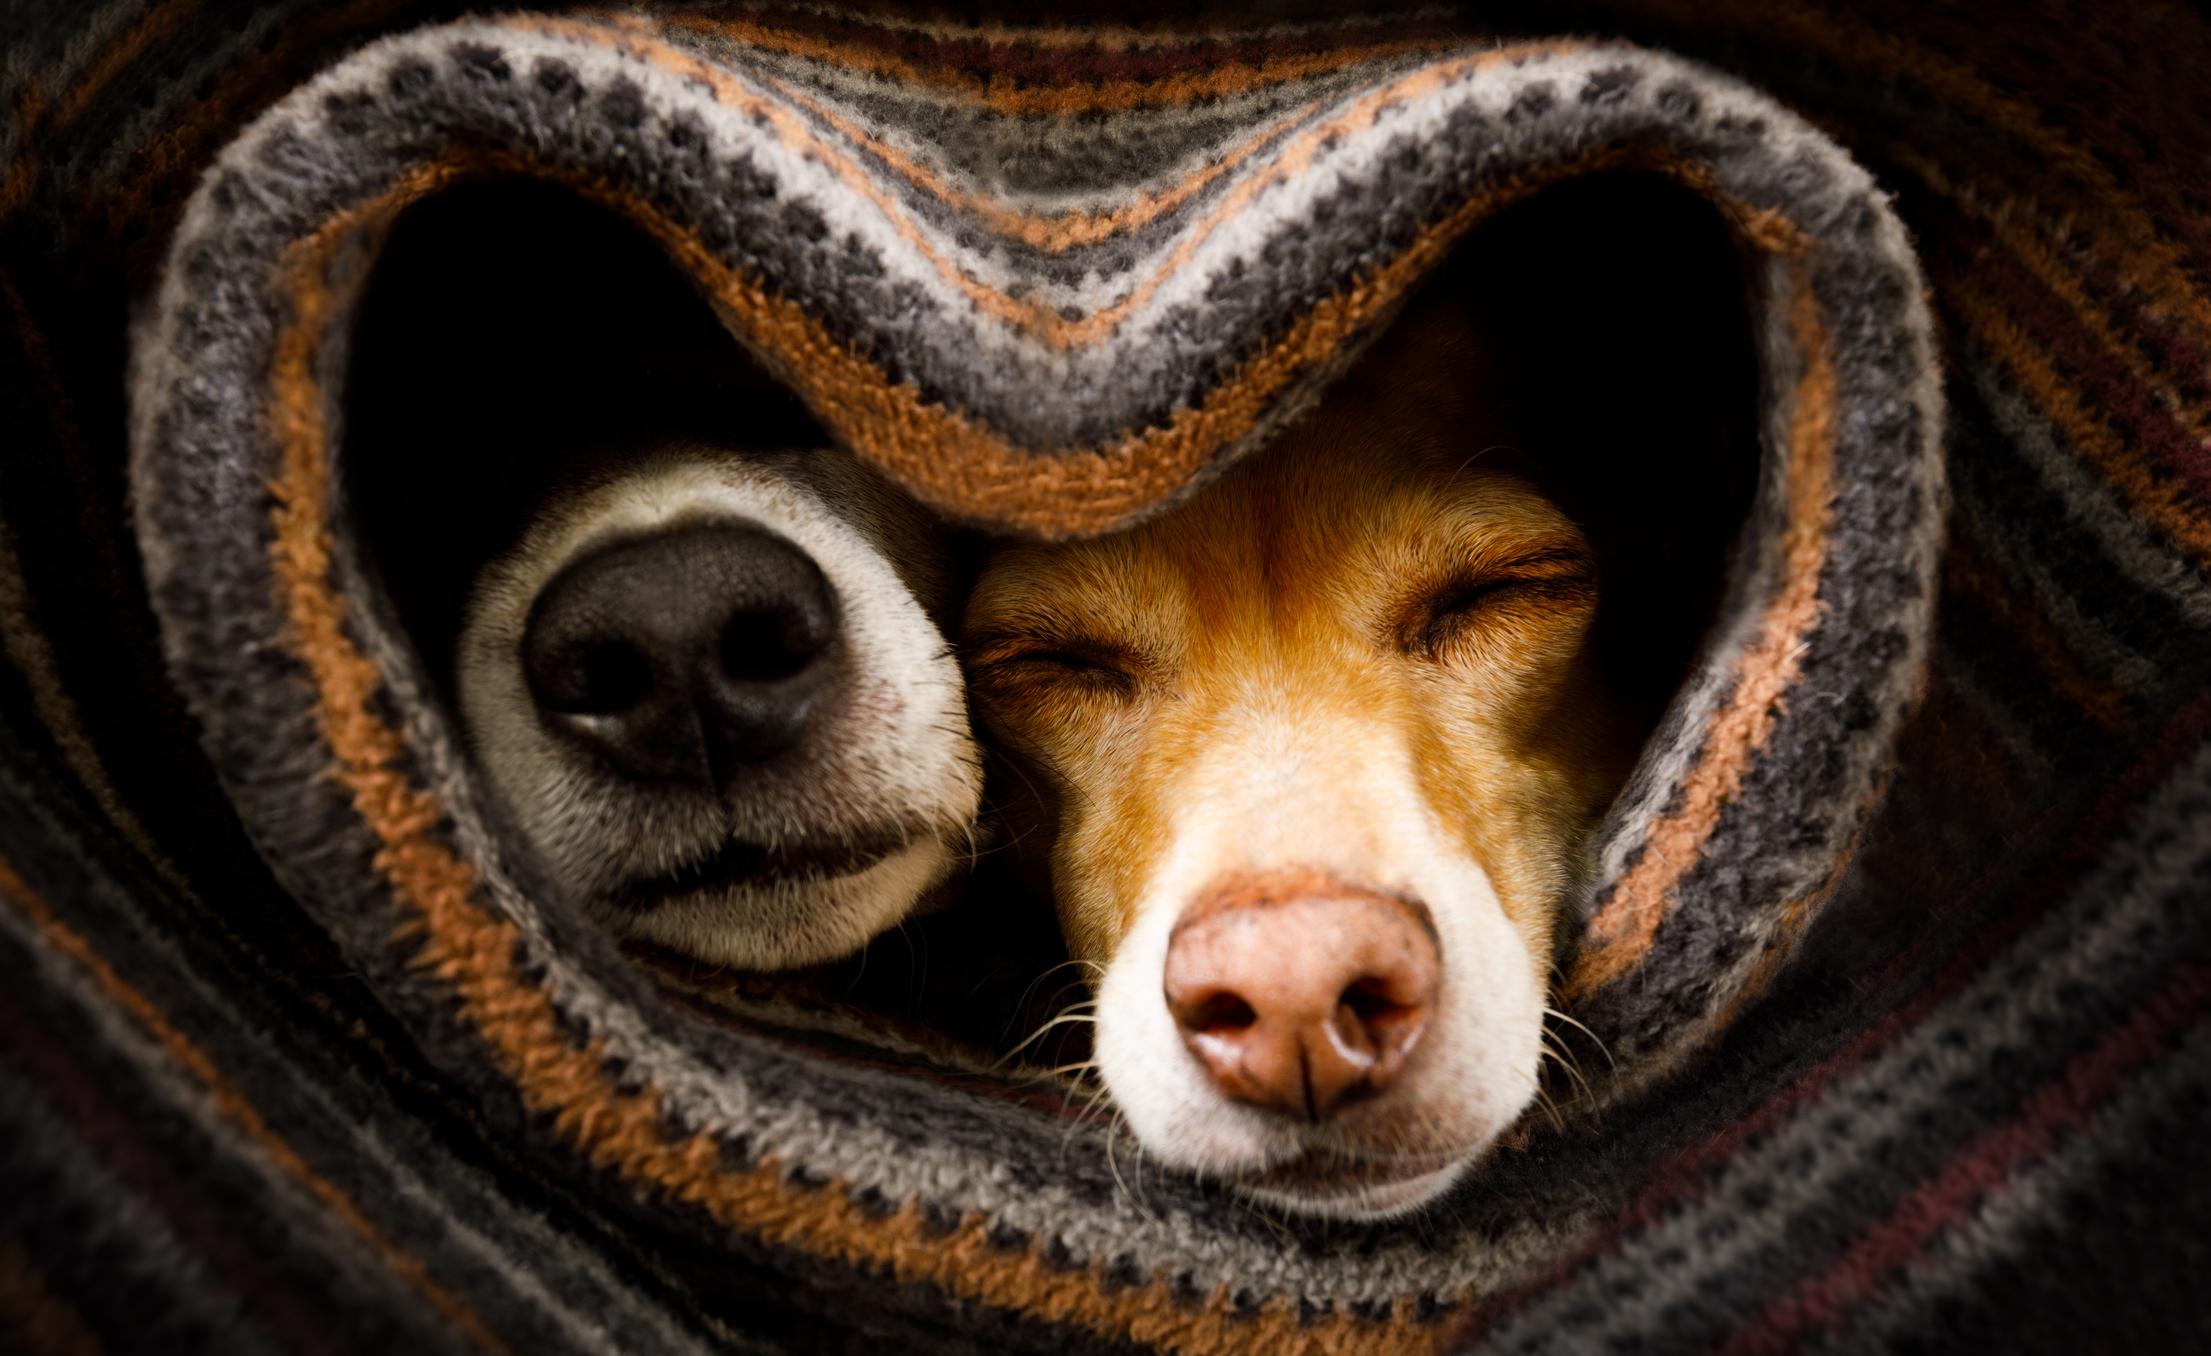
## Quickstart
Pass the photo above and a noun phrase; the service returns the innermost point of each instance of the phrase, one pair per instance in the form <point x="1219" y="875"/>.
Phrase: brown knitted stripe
<point x="1967" y="575"/>
<point x="40" y="1320"/>
<point x="972" y="473"/>
<point x="156" y="25"/>
<point x="22" y="175"/>
<point x="2141" y="415"/>
<point x="2160" y="500"/>
<point x="1054" y="234"/>
<point x="1071" y="81"/>
<point x="1621" y="933"/>
<point x="1051" y="233"/>
<point x="233" y="1105"/>
<point x="2106" y="217"/>
<point x="23" y="171"/>
<point x="1041" y="51"/>
<point x="1295" y="158"/>
<point x="2033" y="250"/>
<point x="964" y="468"/>
<point x="171" y="161"/>
<point x="475" y="953"/>
<point x="21" y="636"/>
<point x="2124" y="81"/>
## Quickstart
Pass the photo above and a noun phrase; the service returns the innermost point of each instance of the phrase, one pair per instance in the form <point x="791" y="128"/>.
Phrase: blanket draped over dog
<point x="1899" y="949"/>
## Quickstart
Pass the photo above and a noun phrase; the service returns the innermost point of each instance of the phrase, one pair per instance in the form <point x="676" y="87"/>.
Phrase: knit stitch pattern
<point x="1894" y="951"/>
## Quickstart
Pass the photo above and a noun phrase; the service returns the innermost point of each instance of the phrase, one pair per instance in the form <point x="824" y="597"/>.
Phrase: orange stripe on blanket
<point x="475" y="953"/>
<point x="2035" y="251"/>
<point x="1036" y="317"/>
<point x="2165" y="505"/>
<point x="969" y="471"/>
<point x="1968" y="575"/>
<point x="2103" y="212"/>
<point x="1055" y="234"/>
<point x="156" y="25"/>
<point x="1016" y="99"/>
<point x="23" y="171"/>
<point x="39" y="1320"/>
<point x="972" y="473"/>
<point x="232" y="1104"/>
<point x="1293" y="161"/>
<point x="1621" y="933"/>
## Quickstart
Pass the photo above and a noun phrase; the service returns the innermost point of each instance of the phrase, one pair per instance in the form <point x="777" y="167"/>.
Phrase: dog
<point x="1319" y="755"/>
<point x="708" y="686"/>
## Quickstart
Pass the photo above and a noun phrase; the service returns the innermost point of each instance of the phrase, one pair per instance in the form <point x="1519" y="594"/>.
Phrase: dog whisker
<point x="1574" y="1077"/>
<point x="1556" y="1049"/>
<point x="1081" y="1119"/>
<point x="1224" y="719"/>
<point x="1135" y="1199"/>
<point x="1030" y="992"/>
<point x="1063" y="1019"/>
<point x="1067" y="1070"/>
<point x="1549" y="1011"/>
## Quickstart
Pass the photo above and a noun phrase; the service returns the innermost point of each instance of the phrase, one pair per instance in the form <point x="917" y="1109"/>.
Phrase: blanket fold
<point x="1892" y="973"/>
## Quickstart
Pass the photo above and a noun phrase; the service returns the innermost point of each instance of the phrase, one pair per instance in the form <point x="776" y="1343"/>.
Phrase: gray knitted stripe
<point x="445" y="1212"/>
<point x="128" y="125"/>
<point x="1045" y="165"/>
<point x="1781" y="1206"/>
<point x="1881" y="552"/>
<point x="2032" y="1200"/>
<point x="2106" y="599"/>
<point x="1421" y="154"/>
<point x="1802" y="798"/>
<point x="2129" y="542"/>
<point x="196" y="1131"/>
<point x="2020" y="742"/>
<point x="888" y="1135"/>
<point x="139" y="1251"/>
<point x="2088" y="638"/>
<point x="58" y="63"/>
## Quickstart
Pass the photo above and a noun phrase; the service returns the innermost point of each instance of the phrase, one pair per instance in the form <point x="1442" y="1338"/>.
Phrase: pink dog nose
<point x="1300" y="994"/>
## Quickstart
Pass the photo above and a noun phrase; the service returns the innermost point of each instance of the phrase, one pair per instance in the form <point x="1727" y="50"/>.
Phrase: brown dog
<point x="1320" y="753"/>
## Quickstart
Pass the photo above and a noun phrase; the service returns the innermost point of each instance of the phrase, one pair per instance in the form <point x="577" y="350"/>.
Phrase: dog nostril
<point x="1217" y="1013"/>
<point x="1370" y="1003"/>
<point x="599" y="680"/>
<point x="1304" y="1002"/>
<point x="767" y="647"/>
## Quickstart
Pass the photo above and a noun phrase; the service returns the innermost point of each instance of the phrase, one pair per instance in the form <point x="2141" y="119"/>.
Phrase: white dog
<point x="708" y="685"/>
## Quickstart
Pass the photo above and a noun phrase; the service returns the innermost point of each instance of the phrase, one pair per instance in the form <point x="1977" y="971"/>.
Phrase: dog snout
<point x="1302" y="997"/>
<point x="684" y="656"/>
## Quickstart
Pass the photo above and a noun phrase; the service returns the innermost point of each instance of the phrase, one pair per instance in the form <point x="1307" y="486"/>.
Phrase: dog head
<point x="1321" y="752"/>
<point x="709" y="688"/>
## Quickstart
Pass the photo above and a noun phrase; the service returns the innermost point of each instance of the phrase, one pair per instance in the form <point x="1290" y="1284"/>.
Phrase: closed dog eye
<point x="1530" y="590"/>
<point x="1081" y="666"/>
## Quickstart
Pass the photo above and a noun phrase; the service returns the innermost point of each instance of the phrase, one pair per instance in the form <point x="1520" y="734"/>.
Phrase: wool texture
<point x="1891" y="990"/>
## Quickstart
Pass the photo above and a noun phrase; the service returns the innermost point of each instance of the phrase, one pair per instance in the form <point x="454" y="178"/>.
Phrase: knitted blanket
<point x="1891" y="987"/>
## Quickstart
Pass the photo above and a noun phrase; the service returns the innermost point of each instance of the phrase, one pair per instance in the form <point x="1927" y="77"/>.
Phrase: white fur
<point x="888" y="756"/>
<point x="1303" y="794"/>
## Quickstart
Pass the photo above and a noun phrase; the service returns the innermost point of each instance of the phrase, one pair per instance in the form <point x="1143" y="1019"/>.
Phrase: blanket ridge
<point x="1898" y="946"/>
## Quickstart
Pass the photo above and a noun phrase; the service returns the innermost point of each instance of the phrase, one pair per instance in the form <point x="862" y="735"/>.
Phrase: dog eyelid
<point x="1092" y="662"/>
<point x="1429" y="624"/>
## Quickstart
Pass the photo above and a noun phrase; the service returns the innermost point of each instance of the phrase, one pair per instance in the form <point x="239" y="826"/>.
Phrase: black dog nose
<point x="684" y="656"/>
